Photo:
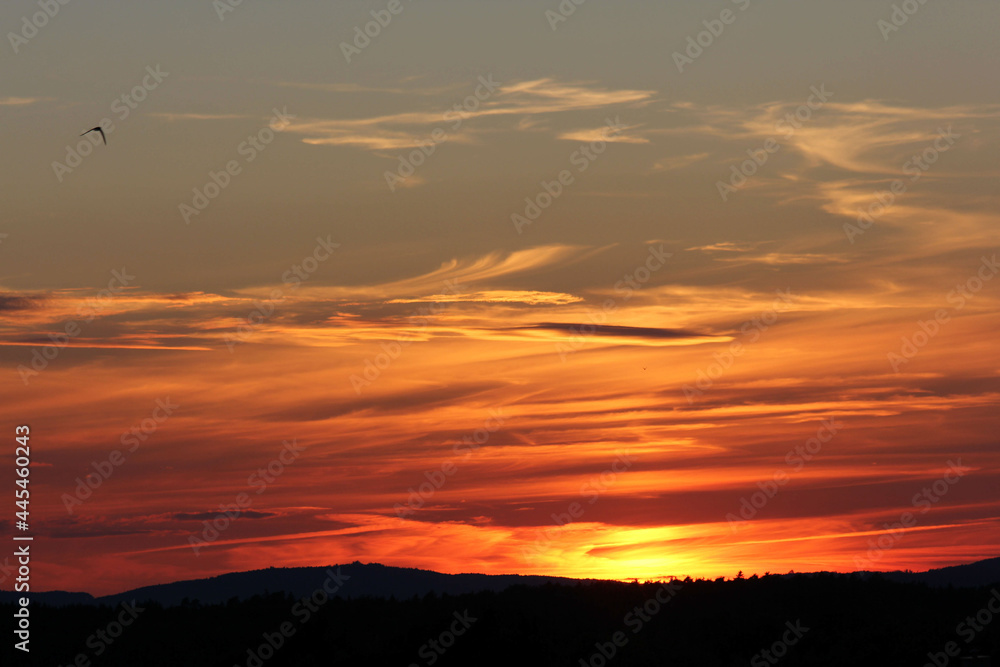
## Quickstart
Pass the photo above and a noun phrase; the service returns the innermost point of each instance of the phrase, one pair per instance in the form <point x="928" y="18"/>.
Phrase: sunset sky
<point x="500" y="252"/>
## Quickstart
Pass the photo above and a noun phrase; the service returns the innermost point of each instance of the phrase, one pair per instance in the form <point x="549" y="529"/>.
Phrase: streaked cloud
<point x="197" y="116"/>
<point x="21" y="101"/>
<point x="525" y="99"/>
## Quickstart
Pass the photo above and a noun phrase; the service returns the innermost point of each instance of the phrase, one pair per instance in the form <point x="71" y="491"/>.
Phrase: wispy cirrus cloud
<point x="20" y="101"/>
<point x="461" y="272"/>
<point x="358" y="88"/>
<point x="679" y="161"/>
<point x="602" y="134"/>
<point x="868" y="137"/>
<point x="199" y="321"/>
<point x="729" y="251"/>
<point x="523" y="99"/>
<point x="174" y="116"/>
<point x="528" y="297"/>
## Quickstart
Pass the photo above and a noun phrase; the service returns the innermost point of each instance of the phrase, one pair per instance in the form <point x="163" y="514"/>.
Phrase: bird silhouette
<point x="97" y="129"/>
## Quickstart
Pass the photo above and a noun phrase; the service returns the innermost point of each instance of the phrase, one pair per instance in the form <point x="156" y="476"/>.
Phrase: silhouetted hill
<point x="51" y="598"/>
<point x="971" y="575"/>
<point x="382" y="581"/>
<point x="359" y="580"/>
<point x="820" y="620"/>
<point x="980" y="573"/>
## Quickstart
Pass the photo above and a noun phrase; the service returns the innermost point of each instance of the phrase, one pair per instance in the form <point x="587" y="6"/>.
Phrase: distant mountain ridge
<point x="354" y="580"/>
<point x="970" y="575"/>
<point x="382" y="581"/>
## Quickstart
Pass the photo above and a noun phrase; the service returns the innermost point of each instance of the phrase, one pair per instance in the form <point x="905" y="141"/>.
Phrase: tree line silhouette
<point x="852" y="620"/>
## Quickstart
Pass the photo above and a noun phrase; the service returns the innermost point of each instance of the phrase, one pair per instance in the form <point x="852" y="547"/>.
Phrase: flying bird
<point x="97" y="129"/>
